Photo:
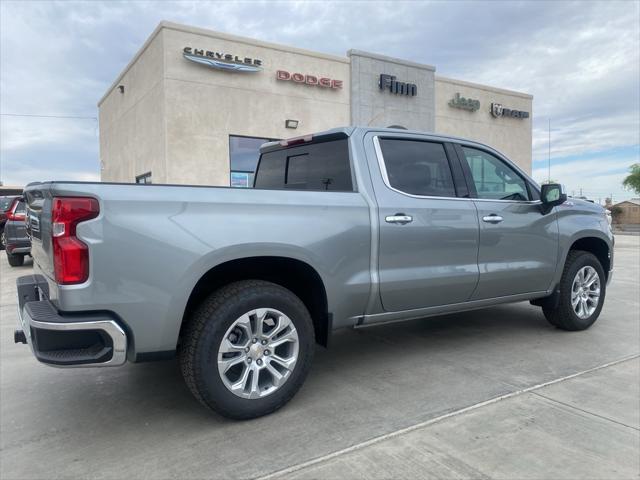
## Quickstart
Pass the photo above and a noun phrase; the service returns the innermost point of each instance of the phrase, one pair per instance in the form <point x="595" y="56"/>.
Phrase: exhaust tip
<point x="19" y="336"/>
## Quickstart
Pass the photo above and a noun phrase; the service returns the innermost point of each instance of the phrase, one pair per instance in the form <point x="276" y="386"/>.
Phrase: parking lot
<point x="494" y="393"/>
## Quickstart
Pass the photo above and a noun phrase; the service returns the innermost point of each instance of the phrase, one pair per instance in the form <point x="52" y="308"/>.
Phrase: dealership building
<point x="193" y="105"/>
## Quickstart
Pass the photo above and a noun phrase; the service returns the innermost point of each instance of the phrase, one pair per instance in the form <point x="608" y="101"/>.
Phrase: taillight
<point x="11" y="213"/>
<point x="15" y="216"/>
<point x="70" y="254"/>
<point x="290" y="142"/>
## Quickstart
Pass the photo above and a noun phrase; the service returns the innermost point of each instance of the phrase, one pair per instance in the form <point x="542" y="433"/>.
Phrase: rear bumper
<point x="66" y="340"/>
<point x="18" y="245"/>
<point x="13" y="249"/>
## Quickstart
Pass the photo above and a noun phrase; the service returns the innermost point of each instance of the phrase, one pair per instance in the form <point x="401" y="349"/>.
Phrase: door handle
<point x="493" y="218"/>
<point x="400" y="218"/>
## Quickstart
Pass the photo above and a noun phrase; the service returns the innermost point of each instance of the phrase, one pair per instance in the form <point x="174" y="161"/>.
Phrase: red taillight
<point x="70" y="254"/>
<point x="15" y="216"/>
<point x="290" y="142"/>
<point x="11" y="213"/>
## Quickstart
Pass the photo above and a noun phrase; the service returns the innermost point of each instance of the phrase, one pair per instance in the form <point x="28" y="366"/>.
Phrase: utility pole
<point x="549" y="153"/>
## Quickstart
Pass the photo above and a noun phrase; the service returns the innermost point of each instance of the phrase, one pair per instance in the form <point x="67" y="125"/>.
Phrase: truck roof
<point x="344" y="132"/>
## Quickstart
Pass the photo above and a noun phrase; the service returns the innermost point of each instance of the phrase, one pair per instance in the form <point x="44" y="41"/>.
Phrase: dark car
<point x="6" y="202"/>
<point x="17" y="242"/>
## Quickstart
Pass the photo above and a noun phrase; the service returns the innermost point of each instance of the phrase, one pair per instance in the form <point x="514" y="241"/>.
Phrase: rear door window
<point x="417" y="167"/>
<point x="319" y="166"/>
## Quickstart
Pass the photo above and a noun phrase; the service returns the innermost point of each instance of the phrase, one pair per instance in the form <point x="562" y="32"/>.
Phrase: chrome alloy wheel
<point x="258" y="353"/>
<point x="585" y="292"/>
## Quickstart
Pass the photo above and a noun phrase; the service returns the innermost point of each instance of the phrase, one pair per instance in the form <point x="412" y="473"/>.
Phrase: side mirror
<point x="552" y="194"/>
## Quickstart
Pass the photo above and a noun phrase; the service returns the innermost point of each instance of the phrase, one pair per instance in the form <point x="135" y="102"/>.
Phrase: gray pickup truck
<point x="350" y="227"/>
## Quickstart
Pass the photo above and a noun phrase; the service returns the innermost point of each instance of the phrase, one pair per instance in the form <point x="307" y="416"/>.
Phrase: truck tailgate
<point x="38" y="222"/>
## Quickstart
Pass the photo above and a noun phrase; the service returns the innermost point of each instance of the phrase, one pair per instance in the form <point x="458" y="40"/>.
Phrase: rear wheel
<point x="3" y="240"/>
<point x="15" y="260"/>
<point x="247" y="349"/>
<point x="582" y="292"/>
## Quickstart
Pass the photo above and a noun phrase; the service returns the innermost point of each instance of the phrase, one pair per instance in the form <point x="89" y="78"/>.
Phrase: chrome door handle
<point x="400" y="218"/>
<point x="493" y="218"/>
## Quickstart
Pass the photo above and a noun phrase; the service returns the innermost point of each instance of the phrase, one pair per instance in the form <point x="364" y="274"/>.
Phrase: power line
<point x="47" y="116"/>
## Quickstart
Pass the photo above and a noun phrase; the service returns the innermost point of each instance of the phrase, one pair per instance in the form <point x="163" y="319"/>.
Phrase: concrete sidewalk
<point x="587" y="426"/>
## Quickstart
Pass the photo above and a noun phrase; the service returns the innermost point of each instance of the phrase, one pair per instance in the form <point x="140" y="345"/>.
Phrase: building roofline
<point x="487" y="88"/>
<point x="219" y="35"/>
<point x="384" y="58"/>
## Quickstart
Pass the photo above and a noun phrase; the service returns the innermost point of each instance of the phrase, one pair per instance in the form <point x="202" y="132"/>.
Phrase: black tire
<point x="15" y="260"/>
<point x="563" y="315"/>
<point x="3" y="240"/>
<point x="205" y="330"/>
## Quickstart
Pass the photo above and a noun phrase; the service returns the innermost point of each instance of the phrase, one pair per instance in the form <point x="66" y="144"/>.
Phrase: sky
<point x="580" y="61"/>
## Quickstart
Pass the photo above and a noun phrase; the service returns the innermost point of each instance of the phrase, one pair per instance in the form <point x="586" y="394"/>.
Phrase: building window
<point x="144" y="178"/>
<point x="243" y="156"/>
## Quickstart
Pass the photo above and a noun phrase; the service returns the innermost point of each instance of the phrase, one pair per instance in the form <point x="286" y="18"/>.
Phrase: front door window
<point x="493" y="178"/>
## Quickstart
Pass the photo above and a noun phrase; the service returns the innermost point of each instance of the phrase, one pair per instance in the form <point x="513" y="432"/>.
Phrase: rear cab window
<point x="323" y="166"/>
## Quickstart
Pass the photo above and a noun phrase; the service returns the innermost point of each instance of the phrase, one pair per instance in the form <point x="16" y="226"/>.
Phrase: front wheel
<point x="582" y="291"/>
<point x="247" y="349"/>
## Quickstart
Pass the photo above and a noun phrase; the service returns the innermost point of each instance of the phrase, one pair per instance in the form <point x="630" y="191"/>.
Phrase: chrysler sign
<point x="222" y="60"/>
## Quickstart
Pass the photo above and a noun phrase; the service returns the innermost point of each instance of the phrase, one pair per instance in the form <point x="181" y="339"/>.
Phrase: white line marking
<point x="417" y="426"/>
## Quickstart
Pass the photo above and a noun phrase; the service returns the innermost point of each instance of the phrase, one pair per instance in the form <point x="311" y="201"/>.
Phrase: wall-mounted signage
<point x="222" y="61"/>
<point x="308" y="79"/>
<point x="389" y="82"/>
<point x="464" y="103"/>
<point x="497" y="110"/>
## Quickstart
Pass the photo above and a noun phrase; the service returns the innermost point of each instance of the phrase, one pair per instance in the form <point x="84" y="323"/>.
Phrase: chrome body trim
<point x="385" y="178"/>
<point x="109" y="327"/>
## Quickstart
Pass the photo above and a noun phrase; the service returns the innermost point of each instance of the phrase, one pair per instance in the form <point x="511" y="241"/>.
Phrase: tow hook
<point x="19" y="336"/>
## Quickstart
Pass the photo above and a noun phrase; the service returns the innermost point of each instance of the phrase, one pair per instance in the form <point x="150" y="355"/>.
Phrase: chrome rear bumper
<point x="89" y="340"/>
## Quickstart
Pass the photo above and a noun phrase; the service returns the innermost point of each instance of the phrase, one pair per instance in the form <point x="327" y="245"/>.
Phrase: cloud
<point x="597" y="176"/>
<point x="580" y="60"/>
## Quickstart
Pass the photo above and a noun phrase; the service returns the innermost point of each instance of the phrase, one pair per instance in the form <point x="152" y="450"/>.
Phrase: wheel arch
<point x="293" y="274"/>
<point x="598" y="247"/>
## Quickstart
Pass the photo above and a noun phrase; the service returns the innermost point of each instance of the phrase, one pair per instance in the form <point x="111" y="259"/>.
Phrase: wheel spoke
<point x="261" y="315"/>
<point x="245" y="322"/>
<point x="275" y="374"/>
<point x="285" y="362"/>
<point x="240" y="385"/>
<point x="228" y="347"/>
<point x="592" y="278"/>
<point x="282" y="322"/>
<point x="227" y="363"/>
<point x="290" y="336"/>
<point x="255" y="389"/>
<point x="574" y="300"/>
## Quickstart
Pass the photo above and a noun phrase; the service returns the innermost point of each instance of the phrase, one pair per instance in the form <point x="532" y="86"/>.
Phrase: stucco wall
<point x="629" y="213"/>
<point x="132" y="134"/>
<point x="510" y="136"/>
<point x="204" y="106"/>
<point x="372" y="106"/>
<point x="175" y="116"/>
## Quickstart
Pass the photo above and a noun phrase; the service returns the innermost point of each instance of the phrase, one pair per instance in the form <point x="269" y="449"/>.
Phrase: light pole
<point x="549" y="158"/>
